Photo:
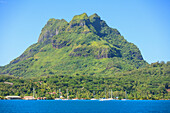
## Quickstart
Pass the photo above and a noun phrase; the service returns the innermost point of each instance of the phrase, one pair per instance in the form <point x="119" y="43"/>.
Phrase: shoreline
<point x="80" y="100"/>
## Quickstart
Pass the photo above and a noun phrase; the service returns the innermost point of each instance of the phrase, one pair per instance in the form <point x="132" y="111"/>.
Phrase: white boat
<point x="57" y="99"/>
<point x="106" y="99"/>
<point x="60" y="96"/>
<point x="34" y="94"/>
<point x="93" y="99"/>
<point x="65" y="99"/>
<point x="126" y="98"/>
<point x="67" y="96"/>
<point x="93" y="96"/>
<point x="75" y="99"/>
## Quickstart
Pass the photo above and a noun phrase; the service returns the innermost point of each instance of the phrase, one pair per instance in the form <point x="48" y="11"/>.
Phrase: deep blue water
<point x="84" y="106"/>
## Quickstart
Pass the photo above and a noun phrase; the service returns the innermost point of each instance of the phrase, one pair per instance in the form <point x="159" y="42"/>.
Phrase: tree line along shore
<point x="150" y="83"/>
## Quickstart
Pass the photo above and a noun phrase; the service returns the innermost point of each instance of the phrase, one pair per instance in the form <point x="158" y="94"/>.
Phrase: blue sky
<point x="146" y="23"/>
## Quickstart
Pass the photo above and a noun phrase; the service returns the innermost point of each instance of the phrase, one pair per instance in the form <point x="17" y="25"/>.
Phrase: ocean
<point x="84" y="106"/>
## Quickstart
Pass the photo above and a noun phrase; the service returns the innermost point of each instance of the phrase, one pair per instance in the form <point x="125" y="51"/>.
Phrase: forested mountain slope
<point x="151" y="82"/>
<point x="84" y="46"/>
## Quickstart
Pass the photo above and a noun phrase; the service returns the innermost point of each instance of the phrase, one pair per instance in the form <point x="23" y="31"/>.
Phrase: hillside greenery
<point x="86" y="56"/>
<point x="151" y="82"/>
<point x="84" y="46"/>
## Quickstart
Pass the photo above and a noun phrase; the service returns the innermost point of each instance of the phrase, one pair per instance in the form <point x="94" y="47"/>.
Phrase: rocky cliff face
<point x="84" y="37"/>
<point x="79" y="24"/>
<point x="53" y="27"/>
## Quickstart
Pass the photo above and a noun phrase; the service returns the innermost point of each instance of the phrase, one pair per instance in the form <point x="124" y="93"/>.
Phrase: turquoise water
<point x="84" y="106"/>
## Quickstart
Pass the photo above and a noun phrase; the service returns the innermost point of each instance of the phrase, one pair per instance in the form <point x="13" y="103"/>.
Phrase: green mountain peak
<point x="79" y="24"/>
<point x="83" y="16"/>
<point x="94" y="16"/>
<point x="84" y="46"/>
<point x="52" y="28"/>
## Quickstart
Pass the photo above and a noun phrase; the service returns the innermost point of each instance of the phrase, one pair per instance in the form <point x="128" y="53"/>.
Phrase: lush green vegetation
<point x="84" y="55"/>
<point x="84" y="46"/>
<point x="151" y="82"/>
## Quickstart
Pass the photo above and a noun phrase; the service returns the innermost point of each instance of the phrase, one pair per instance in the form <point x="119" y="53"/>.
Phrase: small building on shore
<point x="13" y="97"/>
<point x="28" y="98"/>
<point x="41" y="98"/>
<point x="8" y="83"/>
<point x="44" y="98"/>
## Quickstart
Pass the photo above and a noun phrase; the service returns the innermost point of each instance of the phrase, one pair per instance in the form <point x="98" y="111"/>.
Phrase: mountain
<point x="84" y="46"/>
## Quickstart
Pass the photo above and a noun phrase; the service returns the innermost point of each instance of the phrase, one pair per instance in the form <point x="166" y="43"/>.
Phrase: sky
<point x="146" y="23"/>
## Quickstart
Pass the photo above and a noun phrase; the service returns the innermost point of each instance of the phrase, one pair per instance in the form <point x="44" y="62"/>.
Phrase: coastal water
<point x="84" y="106"/>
